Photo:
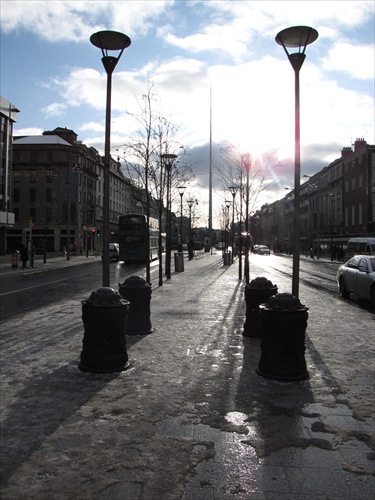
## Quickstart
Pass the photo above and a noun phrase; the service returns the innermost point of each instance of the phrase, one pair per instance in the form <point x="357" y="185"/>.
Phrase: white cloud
<point x="83" y="85"/>
<point x="54" y="109"/>
<point x="230" y="38"/>
<point x="94" y="126"/>
<point x="77" y="20"/>
<point x="254" y="112"/>
<point x="358" y="61"/>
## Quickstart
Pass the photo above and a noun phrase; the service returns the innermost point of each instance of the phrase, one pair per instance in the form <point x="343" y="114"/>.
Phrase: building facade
<point x="8" y="115"/>
<point x="336" y="203"/>
<point x="57" y="193"/>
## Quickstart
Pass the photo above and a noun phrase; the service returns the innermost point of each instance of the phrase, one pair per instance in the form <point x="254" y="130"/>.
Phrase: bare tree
<point x="250" y="176"/>
<point x="155" y="135"/>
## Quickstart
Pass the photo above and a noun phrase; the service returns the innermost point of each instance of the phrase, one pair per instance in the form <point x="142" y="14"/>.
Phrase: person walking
<point x="24" y="255"/>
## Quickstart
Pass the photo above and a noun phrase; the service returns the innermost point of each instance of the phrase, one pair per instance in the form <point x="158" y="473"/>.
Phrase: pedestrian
<point x="24" y="255"/>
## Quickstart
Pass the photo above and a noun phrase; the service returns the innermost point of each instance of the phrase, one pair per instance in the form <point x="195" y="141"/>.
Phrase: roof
<point x="40" y="139"/>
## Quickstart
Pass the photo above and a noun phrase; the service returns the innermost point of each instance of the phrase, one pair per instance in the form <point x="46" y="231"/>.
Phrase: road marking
<point x="37" y="286"/>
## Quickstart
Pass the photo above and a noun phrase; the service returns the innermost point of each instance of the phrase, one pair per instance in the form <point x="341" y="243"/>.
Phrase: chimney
<point x="67" y="134"/>
<point x="346" y="151"/>
<point x="359" y="143"/>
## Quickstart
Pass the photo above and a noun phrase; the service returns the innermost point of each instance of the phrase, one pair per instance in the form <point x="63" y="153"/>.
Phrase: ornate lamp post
<point x="181" y="190"/>
<point x="190" y="203"/>
<point x="226" y="224"/>
<point x="118" y="42"/>
<point x="233" y="190"/>
<point x="246" y="161"/>
<point x="297" y="36"/>
<point x="168" y="160"/>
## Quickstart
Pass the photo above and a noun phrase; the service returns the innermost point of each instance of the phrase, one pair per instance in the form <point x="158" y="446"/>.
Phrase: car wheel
<point x="343" y="291"/>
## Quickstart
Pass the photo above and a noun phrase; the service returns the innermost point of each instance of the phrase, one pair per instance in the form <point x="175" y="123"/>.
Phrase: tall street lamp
<point x="246" y="161"/>
<point x="226" y="225"/>
<point x="181" y="190"/>
<point x="190" y="203"/>
<point x="168" y="160"/>
<point x="118" y="42"/>
<point x="233" y="190"/>
<point x="297" y="36"/>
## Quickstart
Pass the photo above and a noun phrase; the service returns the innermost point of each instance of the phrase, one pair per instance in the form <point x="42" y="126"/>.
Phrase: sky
<point x="215" y="68"/>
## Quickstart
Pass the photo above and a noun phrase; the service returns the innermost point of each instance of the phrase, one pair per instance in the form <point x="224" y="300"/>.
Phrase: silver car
<point x="114" y="251"/>
<point x="357" y="277"/>
<point x="263" y="250"/>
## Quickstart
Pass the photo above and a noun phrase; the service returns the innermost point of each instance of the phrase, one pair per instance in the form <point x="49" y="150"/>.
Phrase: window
<point x="32" y="195"/>
<point x="16" y="195"/>
<point x="353" y="263"/>
<point x="49" y="195"/>
<point x="49" y="175"/>
<point x="16" y="176"/>
<point x="353" y="184"/>
<point x="353" y="215"/>
<point x="360" y="211"/>
<point x="33" y="176"/>
<point x="360" y="181"/>
<point x="363" y="263"/>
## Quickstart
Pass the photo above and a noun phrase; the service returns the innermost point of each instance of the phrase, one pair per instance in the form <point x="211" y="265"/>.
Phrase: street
<point x="190" y="419"/>
<point x="23" y="293"/>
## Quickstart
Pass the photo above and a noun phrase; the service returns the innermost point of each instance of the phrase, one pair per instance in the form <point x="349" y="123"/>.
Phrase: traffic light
<point x="93" y="231"/>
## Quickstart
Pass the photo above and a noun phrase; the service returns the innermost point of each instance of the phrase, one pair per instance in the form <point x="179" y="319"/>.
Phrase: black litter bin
<point x="284" y="322"/>
<point x="227" y="258"/>
<point x="257" y="292"/>
<point x="179" y="262"/>
<point x="104" y="316"/>
<point x="138" y="292"/>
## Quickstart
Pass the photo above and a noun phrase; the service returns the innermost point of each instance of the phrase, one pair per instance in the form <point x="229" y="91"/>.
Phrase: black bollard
<point x="257" y="292"/>
<point x="138" y="292"/>
<point x="284" y="321"/>
<point x="104" y="317"/>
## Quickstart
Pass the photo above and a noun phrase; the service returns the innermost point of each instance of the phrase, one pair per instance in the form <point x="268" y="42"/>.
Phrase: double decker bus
<point x="134" y="233"/>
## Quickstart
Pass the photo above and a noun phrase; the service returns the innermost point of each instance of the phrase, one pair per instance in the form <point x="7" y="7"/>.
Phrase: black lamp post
<point x="181" y="190"/>
<point x="233" y="190"/>
<point x="168" y="160"/>
<point x="297" y="36"/>
<point x="246" y="161"/>
<point x="108" y="41"/>
<point x="190" y="203"/>
<point x="226" y="224"/>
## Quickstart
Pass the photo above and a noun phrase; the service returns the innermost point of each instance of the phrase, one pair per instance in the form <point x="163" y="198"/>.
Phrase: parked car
<point x="357" y="276"/>
<point x="263" y="250"/>
<point x="114" y="252"/>
<point x="220" y="245"/>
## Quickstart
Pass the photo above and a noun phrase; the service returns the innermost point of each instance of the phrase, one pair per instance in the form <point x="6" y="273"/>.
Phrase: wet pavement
<point x="190" y="419"/>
